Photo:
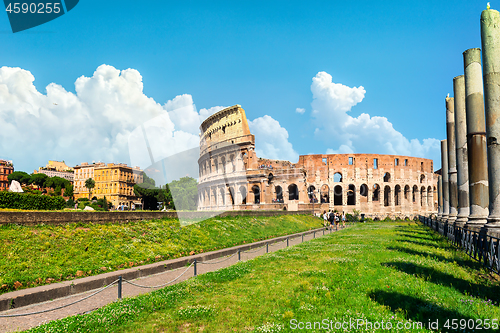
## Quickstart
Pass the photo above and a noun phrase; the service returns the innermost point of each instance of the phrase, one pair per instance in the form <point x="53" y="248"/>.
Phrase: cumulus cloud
<point x="363" y="134"/>
<point x="95" y="124"/>
<point x="300" y="110"/>
<point x="271" y="140"/>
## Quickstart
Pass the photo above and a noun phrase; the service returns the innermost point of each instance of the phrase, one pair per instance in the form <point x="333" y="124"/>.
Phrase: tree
<point x="20" y="176"/>
<point x="38" y="179"/>
<point x="149" y="196"/>
<point x="90" y="184"/>
<point x="185" y="193"/>
<point x="68" y="190"/>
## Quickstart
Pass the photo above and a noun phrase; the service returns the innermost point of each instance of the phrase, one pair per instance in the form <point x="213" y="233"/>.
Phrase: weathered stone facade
<point x="233" y="177"/>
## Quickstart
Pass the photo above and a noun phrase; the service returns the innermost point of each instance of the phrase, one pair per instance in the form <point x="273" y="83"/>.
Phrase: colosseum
<point x="232" y="177"/>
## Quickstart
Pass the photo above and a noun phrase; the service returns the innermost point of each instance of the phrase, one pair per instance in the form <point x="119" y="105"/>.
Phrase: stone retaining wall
<point x="33" y="218"/>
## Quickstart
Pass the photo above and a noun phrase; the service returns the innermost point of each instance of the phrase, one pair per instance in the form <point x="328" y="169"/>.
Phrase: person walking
<point x="343" y="219"/>
<point x="325" y="219"/>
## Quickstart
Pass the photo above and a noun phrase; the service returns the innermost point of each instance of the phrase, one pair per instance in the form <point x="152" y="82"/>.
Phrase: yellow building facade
<point x="113" y="181"/>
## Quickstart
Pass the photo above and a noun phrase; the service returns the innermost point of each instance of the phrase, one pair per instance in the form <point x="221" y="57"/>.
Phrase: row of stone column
<point x="469" y="185"/>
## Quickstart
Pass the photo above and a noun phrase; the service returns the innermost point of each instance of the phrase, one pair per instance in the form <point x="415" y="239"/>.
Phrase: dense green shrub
<point x="70" y="203"/>
<point x="30" y="201"/>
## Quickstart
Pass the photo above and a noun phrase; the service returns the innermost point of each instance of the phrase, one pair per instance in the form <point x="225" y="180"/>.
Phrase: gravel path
<point x="110" y="294"/>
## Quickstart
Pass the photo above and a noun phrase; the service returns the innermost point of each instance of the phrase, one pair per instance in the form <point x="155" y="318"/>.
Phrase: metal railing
<point x="478" y="245"/>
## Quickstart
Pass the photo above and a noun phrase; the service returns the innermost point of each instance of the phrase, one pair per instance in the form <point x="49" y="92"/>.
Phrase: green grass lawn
<point x="36" y="255"/>
<point x="385" y="273"/>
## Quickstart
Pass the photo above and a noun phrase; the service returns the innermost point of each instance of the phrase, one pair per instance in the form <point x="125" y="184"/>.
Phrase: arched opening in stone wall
<point x="387" y="177"/>
<point x="233" y="166"/>
<point x="397" y="195"/>
<point x="223" y="162"/>
<point x="422" y="178"/>
<point x="223" y="196"/>
<point x="243" y="193"/>
<point x="414" y="193"/>
<point x="376" y="193"/>
<point x="279" y="193"/>
<point x="337" y="195"/>
<point x="351" y="195"/>
<point x="422" y="196"/>
<point x="407" y="192"/>
<point x="337" y="177"/>
<point x="429" y="196"/>
<point x="311" y="194"/>
<point x="387" y="195"/>
<point x="293" y="192"/>
<point x="214" y="193"/>
<point x="231" y="195"/>
<point x="256" y="194"/>
<point x="363" y="193"/>
<point x="325" y="194"/>
<point x="216" y="163"/>
<point x="435" y="204"/>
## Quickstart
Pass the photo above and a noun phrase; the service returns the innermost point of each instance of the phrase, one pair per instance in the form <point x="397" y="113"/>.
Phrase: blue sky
<point x="262" y="55"/>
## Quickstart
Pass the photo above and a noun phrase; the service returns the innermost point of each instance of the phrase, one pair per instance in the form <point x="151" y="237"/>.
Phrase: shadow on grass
<point x="417" y="236"/>
<point x="432" y="275"/>
<point x="419" y="310"/>
<point x="461" y="262"/>
<point x="428" y="243"/>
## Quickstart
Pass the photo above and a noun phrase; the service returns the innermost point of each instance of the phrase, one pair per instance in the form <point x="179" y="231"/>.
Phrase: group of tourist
<point x="278" y="200"/>
<point x="266" y="166"/>
<point x="333" y="218"/>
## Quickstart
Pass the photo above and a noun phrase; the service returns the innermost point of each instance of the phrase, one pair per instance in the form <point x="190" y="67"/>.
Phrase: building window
<point x="396" y="161"/>
<point x="375" y="163"/>
<point x="351" y="160"/>
<point x="324" y="160"/>
<point x="406" y="162"/>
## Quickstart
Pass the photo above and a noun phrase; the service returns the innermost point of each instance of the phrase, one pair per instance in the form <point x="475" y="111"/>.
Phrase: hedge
<point x="30" y="201"/>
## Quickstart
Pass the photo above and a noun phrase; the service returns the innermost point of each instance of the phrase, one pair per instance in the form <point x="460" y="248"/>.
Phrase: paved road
<point x="109" y="295"/>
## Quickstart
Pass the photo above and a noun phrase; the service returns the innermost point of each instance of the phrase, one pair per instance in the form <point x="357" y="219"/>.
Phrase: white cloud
<point x="271" y="140"/>
<point x="363" y="134"/>
<point x="93" y="124"/>
<point x="300" y="110"/>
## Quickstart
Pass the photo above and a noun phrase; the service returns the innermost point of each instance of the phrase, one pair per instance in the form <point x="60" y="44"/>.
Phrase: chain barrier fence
<point x="119" y="282"/>
<point x="478" y="245"/>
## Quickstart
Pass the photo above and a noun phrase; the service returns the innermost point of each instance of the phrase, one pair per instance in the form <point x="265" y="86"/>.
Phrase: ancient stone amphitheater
<point x="232" y="177"/>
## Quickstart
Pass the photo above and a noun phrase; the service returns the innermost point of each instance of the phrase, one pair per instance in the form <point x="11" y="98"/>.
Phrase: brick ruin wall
<point x="232" y="177"/>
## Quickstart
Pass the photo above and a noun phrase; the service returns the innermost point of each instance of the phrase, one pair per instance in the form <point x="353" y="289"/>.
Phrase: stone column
<point x="452" y="159"/>
<point x="476" y="139"/>
<point x="461" y="149"/>
<point x="490" y="40"/>
<point x="440" y="197"/>
<point x="444" y="173"/>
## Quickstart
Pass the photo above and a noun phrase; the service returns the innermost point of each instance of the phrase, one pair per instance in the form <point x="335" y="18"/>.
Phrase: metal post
<point x="239" y="254"/>
<point x="120" y="280"/>
<point x="267" y="247"/>
<point x="302" y="238"/>
<point x="195" y="273"/>
<point x="490" y="34"/>
<point x="314" y="234"/>
<point x="461" y="148"/>
<point x="452" y="159"/>
<point x="323" y="231"/>
<point x="476" y="139"/>
<point x="287" y="242"/>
